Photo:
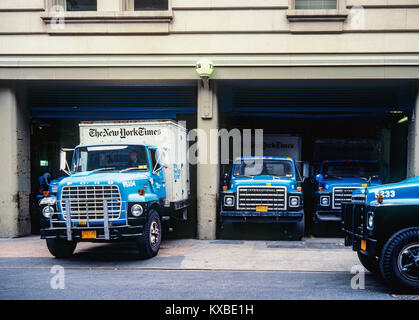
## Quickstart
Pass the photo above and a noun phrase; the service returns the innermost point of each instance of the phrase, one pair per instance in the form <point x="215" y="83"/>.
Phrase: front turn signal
<point x="141" y="192"/>
<point x="45" y="193"/>
<point x="299" y="189"/>
<point x="224" y="188"/>
<point x="380" y="198"/>
<point x="320" y="188"/>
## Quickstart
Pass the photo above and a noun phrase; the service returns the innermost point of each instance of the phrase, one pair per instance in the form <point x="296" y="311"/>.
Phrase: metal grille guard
<point x="68" y="221"/>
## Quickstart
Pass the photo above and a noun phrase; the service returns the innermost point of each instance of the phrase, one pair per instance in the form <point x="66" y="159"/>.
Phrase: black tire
<point x="298" y="230"/>
<point x="61" y="248"/>
<point x="395" y="254"/>
<point x="149" y="242"/>
<point x="370" y="263"/>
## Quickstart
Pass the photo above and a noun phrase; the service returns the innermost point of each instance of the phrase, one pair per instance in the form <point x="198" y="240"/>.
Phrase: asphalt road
<point x="102" y="284"/>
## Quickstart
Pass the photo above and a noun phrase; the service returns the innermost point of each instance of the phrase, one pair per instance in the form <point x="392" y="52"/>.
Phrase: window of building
<point x="144" y="5"/>
<point x="315" y="4"/>
<point x="80" y="5"/>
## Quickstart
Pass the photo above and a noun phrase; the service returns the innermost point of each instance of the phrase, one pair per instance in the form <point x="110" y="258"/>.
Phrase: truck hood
<point x="401" y="192"/>
<point x="104" y="177"/>
<point x="330" y="183"/>
<point x="258" y="181"/>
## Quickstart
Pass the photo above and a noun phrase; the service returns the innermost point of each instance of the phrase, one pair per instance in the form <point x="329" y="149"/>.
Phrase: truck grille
<point x="354" y="221"/>
<point x="248" y="198"/>
<point x="86" y="202"/>
<point x="342" y="194"/>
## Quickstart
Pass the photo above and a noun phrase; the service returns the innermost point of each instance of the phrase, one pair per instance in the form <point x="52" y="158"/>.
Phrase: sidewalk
<point x="310" y="255"/>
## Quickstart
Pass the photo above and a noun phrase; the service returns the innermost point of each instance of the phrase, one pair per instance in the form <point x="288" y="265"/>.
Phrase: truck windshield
<point x="277" y="168"/>
<point x="109" y="158"/>
<point x="350" y="169"/>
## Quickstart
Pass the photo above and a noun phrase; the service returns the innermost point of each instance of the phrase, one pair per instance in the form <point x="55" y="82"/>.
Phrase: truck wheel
<point x="370" y="263"/>
<point x="61" y="248"/>
<point x="399" y="261"/>
<point x="298" y="230"/>
<point x="149" y="242"/>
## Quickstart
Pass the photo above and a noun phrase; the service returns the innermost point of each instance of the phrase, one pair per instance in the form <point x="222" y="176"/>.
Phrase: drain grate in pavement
<point x="405" y="296"/>
<point x="304" y="244"/>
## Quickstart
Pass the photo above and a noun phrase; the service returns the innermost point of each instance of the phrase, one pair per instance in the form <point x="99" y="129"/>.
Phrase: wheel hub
<point x="408" y="262"/>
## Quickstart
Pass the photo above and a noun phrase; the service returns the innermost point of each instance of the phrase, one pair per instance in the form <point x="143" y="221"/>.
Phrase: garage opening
<point x="339" y="120"/>
<point x="56" y="112"/>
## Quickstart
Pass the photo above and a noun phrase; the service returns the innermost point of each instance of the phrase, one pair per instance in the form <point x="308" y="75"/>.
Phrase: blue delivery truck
<point x="126" y="179"/>
<point x="337" y="180"/>
<point x="264" y="189"/>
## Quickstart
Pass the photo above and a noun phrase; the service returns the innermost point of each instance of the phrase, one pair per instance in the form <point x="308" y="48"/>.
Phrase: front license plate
<point x="364" y="245"/>
<point x="89" y="234"/>
<point x="262" y="208"/>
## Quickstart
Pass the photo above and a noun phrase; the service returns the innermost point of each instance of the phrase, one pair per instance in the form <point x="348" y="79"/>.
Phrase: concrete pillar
<point x="15" y="165"/>
<point x="413" y="142"/>
<point x="207" y="172"/>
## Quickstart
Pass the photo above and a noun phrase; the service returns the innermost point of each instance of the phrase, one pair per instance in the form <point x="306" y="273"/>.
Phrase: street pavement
<point x="315" y="268"/>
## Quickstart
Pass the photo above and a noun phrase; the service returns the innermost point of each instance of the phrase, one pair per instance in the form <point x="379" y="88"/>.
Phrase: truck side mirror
<point x="319" y="177"/>
<point x="63" y="162"/>
<point x="306" y="170"/>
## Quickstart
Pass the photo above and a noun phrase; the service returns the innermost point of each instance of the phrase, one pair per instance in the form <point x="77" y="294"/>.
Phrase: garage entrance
<point x="369" y="114"/>
<point x="56" y="112"/>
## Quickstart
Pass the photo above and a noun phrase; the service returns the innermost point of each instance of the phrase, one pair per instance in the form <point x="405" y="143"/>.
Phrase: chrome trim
<point x="86" y="202"/>
<point x="284" y="199"/>
<point x="333" y="195"/>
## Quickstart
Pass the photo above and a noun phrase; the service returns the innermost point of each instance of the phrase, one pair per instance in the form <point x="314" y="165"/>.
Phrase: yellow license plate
<point x="90" y="234"/>
<point x="364" y="245"/>
<point x="262" y="208"/>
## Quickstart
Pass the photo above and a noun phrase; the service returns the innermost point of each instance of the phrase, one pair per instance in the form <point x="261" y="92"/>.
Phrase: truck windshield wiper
<point x="103" y="169"/>
<point x="132" y="169"/>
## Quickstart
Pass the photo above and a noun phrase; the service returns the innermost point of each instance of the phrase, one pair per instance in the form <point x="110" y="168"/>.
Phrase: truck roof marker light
<point x="320" y="188"/>
<point x="224" y="188"/>
<point x="380" y="198"/>
<point x="141" y="192"/>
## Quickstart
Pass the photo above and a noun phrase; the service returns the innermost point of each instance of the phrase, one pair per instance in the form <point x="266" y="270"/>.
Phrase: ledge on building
<point x="316" y="21"/>
<point x="108" y="22"/>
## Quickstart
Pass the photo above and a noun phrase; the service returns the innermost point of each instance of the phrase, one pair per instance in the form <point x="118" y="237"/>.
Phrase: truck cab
<point x="264" y="189"/>
<point x="335" y="183"/>
<point x="115" y="191"/>
<point x="381" y="223"/>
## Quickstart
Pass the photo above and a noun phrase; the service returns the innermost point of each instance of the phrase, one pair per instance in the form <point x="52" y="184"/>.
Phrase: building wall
<point x="203" y="26"/>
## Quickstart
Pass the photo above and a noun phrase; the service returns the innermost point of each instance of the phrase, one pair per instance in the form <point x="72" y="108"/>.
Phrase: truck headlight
<point x="324" y="201"/>
<point x="370" y="220"/>
<point x="48" y="211"/>
<point x="137" y="210"/>
<point x="54" y="189"/>
<point x="294" y="201"/>
<point x="229" y="201"/>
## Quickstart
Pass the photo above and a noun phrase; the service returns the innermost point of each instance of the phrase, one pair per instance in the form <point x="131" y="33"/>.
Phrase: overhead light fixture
<point x="403" y="120"/>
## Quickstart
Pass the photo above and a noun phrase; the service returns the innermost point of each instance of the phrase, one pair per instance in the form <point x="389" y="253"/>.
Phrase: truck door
<point x="157" y="173"/>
